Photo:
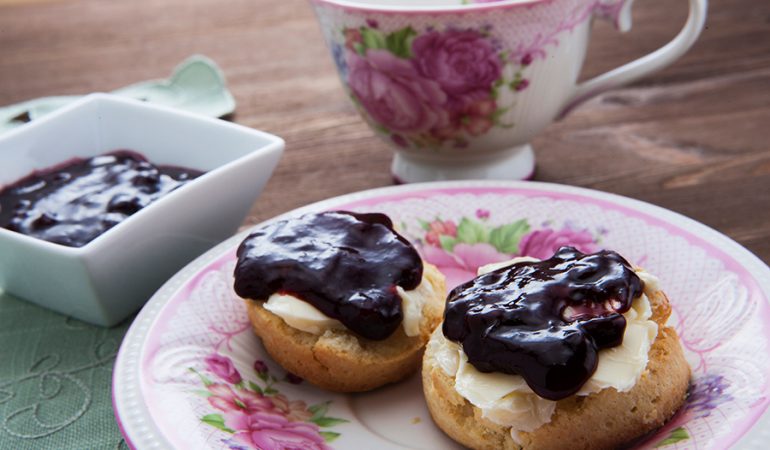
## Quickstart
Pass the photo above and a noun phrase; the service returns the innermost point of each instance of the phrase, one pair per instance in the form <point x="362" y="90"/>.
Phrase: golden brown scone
<point x="342" y="361"/>
<point x="603" y="420"/>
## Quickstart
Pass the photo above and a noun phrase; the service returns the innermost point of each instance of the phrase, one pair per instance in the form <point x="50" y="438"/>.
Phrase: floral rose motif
<point x="223" y="367"/>
<point x="433" y="87"/>
<point x="440" y="228"/>
<point x="260" y="366"/>
<point x="293" y="410"/>
<point x="458" y="249"/>
<point x="254" y="414"/>
<point x="271" y="431"/>
<point x="463" y="62"/>
<point x="461" y="264"/>
<point x="521" y="85"/>
<point x="474" y="118"/>
<point x="225" y="399"/>
<point x="352" y="37"/>
<point x="706" y="394"/>
<point x="542" y="244"/>
<point x="477" y="126"/>
<point x="482" y="108"/>
<point x="394" y="94"/>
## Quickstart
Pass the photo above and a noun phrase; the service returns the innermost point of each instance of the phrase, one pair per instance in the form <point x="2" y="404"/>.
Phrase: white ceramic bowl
<point x="113" y="275"/>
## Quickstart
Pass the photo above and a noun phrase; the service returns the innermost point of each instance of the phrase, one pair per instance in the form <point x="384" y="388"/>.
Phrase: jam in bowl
<point x="136" y="240"/>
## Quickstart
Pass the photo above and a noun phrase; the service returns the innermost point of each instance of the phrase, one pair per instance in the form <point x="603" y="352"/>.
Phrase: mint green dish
<point x="197" y="86"/>
<point x="113" y="275"/>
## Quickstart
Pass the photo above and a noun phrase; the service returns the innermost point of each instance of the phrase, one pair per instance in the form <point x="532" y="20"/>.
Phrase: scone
<point x="570" y="352"/>
<point x="339" y="298"/>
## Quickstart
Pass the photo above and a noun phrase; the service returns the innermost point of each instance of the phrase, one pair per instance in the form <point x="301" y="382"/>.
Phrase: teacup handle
<point x="652" y="62"/>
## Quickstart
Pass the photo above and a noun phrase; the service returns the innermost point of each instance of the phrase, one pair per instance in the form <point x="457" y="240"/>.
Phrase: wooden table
<point x="692" y="138"/>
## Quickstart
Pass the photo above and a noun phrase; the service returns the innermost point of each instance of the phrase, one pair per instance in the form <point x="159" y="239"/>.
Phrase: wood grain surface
<point x="692" y="138"/>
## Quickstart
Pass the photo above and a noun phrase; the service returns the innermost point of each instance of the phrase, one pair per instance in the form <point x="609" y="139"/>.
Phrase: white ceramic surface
<point x="190" y="369"/>
<point x="113" y="275"/>
<point x="458" y="91"/>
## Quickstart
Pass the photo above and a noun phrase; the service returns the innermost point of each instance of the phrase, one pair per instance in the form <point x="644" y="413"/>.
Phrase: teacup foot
<point x="516" y="164"/>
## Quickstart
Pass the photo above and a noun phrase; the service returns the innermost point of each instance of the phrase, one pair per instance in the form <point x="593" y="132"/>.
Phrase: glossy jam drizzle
<point x="544" y="320"/>
<point x="347" y="265"/>
<point x="75" y="202"/>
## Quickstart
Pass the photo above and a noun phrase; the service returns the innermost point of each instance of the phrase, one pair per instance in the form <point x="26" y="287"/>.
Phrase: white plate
<point x="190" y="368"/>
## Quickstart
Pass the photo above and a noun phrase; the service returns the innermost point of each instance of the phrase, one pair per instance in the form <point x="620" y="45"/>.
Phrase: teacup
<point x="459" y="89"/>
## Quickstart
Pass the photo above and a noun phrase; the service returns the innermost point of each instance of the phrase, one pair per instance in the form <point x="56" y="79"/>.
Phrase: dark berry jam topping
<point x="544" y="320"/>
<point x="347" y="265"/>
<point x="73" y="203"/>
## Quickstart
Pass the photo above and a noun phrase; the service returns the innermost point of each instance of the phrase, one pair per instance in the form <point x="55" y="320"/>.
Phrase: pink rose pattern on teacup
<point x="394" y="94"/>
<point x="439" y="83"/>
<point x="464" y="63"/>
<point x="255" y="415"/>
<point x="458" y="249"/>
<point x="428" y="89"/>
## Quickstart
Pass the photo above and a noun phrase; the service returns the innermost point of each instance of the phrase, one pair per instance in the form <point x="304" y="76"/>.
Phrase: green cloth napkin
<point x="55" y="380"/>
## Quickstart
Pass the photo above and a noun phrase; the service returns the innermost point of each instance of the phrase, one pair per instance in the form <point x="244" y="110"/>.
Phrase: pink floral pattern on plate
<point x="257" y="415"/>
<point x="458" y="250"/>
<point x="205" y="381"/>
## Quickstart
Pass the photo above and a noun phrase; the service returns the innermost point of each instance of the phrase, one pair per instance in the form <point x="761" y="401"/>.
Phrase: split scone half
<point x="339" y="360"/>
<point x="634" y="389"/>
<point x="340" y="299"/>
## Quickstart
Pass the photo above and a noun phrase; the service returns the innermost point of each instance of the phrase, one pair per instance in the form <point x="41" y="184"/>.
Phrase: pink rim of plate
<point x="695" y="233"/>
<point x="353" y="6"/>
